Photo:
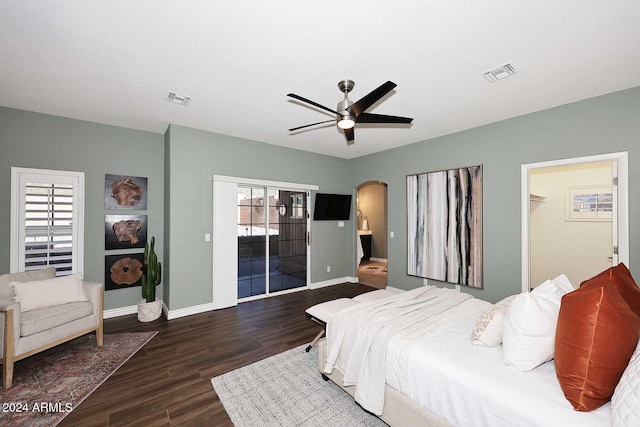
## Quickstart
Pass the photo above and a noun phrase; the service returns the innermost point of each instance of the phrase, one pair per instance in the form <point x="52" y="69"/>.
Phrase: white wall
<point x="578" y="249"/>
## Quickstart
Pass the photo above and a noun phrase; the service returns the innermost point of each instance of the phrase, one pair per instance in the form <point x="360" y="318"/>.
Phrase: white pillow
<point x="45" y="293"/>
<point x="489" y="327"/>
<point x="625" y="403"/>
<point x="530" y="325"/>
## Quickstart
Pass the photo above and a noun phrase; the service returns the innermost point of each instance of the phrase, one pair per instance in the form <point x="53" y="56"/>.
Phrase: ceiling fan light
<point x="346" y="123"/>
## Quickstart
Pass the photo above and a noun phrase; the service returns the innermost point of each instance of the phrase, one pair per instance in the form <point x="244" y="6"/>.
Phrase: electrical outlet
<point x="328" y="269"/>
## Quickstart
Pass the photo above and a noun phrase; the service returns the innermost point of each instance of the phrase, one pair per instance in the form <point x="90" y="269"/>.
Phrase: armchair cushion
<point x="6" y="290"/>
<point x="39" y="320"/>
<point x="46" y="293"/>
<point x="25" y="333"/>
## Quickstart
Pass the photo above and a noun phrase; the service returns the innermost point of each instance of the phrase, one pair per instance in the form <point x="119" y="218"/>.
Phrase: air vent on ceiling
<point x="178" y="99"/>
<point x="507" y="70"/>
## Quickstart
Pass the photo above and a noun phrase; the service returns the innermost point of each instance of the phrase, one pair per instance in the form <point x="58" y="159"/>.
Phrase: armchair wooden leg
<point x="99" y="335"/>
<point x="100" y="330"/>
<point x="7" y="356"/>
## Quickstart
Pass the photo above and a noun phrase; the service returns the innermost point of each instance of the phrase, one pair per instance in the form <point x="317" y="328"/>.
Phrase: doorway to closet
<point x="575" y="217"/>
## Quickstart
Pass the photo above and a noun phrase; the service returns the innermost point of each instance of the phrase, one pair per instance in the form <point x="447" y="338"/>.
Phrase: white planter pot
<point x="149" y="311"/>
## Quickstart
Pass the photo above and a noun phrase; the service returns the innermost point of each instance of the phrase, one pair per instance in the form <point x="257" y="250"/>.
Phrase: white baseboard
<point x="170" y="314"/>
<point x="187" y="311"/>
<point x="378" y="259"/>
<point x="202" y="308"/>
<point x="122" y="311"/>
<point x="332" y="282"/>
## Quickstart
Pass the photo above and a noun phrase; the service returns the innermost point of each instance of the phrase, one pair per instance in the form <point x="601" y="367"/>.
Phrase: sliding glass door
<point x="272" y="240"/>
<point x="288" y="247"/>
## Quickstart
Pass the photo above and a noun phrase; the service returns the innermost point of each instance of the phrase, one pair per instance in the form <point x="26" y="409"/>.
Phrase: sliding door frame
<point x="222" y="276"/>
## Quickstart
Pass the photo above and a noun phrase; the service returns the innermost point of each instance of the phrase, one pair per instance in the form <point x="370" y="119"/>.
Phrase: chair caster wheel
<point x="308" y="349"/>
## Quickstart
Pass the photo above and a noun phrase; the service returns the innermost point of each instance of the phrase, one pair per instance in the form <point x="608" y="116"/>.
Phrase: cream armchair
<point x="25" y="333"/>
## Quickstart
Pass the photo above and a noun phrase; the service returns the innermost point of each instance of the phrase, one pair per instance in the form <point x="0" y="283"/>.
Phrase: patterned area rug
<point x="288" y="390"/>
<point x="49" y="385"/>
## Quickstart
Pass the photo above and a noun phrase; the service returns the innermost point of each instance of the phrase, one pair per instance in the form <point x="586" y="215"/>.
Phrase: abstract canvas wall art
<point x="444" y="217"/>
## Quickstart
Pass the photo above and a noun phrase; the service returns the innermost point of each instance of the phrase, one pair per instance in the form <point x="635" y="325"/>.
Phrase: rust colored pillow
<point x="620" y="277"/>
<point x="597" y="334"/>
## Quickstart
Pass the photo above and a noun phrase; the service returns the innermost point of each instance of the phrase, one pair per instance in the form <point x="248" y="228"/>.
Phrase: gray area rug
<point x="288" y="390"/>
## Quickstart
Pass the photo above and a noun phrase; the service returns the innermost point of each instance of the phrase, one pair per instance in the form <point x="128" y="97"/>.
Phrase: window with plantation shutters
<point x="47" y="220"/>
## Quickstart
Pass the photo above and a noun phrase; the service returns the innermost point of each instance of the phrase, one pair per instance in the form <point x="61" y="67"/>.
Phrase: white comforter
<point x="358" y="337"/>
<point x="431" y="359"/>
<point x="469" y="385"/>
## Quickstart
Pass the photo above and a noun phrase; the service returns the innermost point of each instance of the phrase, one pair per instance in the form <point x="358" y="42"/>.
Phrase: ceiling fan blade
<point x="315" y="104"/>
<point x="312" y="124"/>
<point x="350" y="136"/>
<point x="374" y="96"/>
<point x="382" y="118"/>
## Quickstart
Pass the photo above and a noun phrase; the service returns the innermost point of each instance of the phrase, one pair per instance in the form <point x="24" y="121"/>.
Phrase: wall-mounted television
<point x="332" y="207"/>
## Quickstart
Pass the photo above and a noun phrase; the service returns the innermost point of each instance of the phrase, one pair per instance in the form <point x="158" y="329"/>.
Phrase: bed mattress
<point x="419" y="343"/>
<point x="469" y="385"/>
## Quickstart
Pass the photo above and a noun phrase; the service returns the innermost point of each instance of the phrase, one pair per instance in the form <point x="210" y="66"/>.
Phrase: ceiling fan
<point x="348" y="113"/>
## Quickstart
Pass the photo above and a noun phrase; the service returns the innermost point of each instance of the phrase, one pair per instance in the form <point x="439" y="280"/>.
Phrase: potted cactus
<point x="150" y="308"/>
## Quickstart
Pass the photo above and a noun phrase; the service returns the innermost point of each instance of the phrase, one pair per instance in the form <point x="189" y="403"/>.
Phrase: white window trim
<point x="18" y="175"/>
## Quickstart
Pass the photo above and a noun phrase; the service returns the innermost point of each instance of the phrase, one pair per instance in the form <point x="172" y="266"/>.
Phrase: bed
<point x="426" y="370"/>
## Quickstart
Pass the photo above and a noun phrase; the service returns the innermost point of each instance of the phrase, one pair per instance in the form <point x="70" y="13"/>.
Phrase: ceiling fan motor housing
<point x="343" y="105"/>
<point x="345" y="86"/>
<point x="346" y="120"/>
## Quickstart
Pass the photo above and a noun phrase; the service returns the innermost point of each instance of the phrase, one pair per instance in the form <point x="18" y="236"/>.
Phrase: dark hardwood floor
<point x="168" y="382"/>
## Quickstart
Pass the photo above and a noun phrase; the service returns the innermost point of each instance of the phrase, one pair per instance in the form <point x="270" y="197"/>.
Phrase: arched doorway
<point x="371" y="205"/>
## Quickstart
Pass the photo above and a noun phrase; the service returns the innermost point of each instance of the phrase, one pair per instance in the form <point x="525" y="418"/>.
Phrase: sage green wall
<point x="192" y="157"/>
<point x="179" y="167"/>
<point x="34" y="140"/>
<point x="605" y="124"/>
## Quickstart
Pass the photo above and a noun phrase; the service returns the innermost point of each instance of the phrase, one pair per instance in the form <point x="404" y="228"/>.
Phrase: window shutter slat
<point x="48" y="217"/>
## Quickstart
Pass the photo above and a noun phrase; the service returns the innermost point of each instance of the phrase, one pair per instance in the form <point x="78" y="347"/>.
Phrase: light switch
<point x="207" y="237"/>
<point x="392" y="234"/>
<point x="340" y="223"/>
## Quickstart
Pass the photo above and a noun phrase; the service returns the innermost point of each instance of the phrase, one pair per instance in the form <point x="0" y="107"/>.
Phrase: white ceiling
<point x="115" y="62"/>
